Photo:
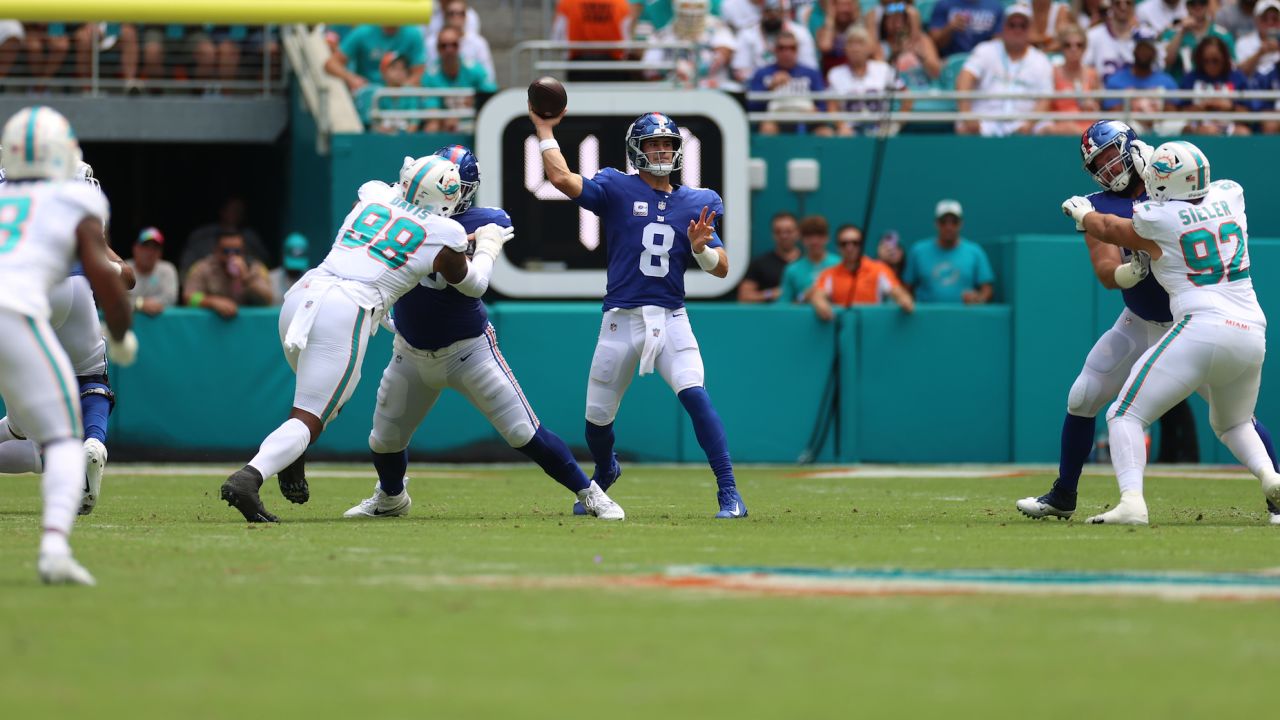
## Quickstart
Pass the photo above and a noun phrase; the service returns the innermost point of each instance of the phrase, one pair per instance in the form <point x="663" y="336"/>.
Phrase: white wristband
<point x="708" y="259"/>
<point x="548" y="144"/>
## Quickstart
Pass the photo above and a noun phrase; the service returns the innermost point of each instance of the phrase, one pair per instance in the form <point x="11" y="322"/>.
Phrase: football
<point x="547" y="97"/>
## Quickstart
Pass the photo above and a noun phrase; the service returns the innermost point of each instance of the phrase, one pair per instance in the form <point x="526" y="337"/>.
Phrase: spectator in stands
<point x="11" y="40"/>
<point x="799" y="276"/>
<point x="708" y="64"/>
<point x="1048" y="19"/>
<point x="157" y="279"/>
<point x="1160" y="15"/>
<point x="1217" y="86"/>
<point x="856" y="280"/>
<point x="862" y="75"/>
<point x="109" y="38"/>
<point x="958" y="26"/>
<point x="788" y="76"/>
<point x="593" y="21"/>
<point x="471" y="26"/>
<point x="907" y="48"/>
<point x="830" y="37"/>
<point x="358" y="59"/>
<point x="226" y="279"/>
<point x="1008" y="64"/>
<point x="1270" y="81"/>
<point x="1090" y="13"/>
<point x="454" y="72"/>
<point x="874" y="20"/>
<point x="1259" y="50"/>
<point x="889" y="251"/>
<point x="395" y="74"/>
<point x="1237" y="17"/>
<point x="215" y="54"/>
<point x="231" y="217"/>
<point x="295" y="261"/>
<point x="756" y="44"/>
<point x="1180" y="42"/>
<point x="741" y="14"/>
<point x="1072" y="78"/>
<point x="1111" y="43"/>
<point x="1144" y="74"/>
<point x="472" y="47"/>
<point x="46" y="51"/>
<point x="764" y="274"/>
<point x="948" y="268"/>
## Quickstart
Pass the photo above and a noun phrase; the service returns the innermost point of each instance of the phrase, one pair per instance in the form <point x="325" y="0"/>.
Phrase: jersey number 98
<point x="400" y="239"/>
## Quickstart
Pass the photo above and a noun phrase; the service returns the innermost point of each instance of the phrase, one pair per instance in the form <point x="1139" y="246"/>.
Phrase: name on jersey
<point x="401" y="204"/>
<point x="1202" y="213"/>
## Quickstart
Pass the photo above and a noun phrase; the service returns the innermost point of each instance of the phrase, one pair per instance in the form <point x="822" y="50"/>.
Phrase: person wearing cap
<point x="1006" y="65"/>
<point x="1144" y="73"/>
<point x="358" y="59"/>
<point x="756" y="43"/>
<point x="799" y="276"/>
<point x="157" y="286"/>
<point x="1181" y="40"/>
<point x="295" y="260"/>
<point x="1111" y="43"/>
<point x="856" y="280"/>
<point x="1259" y="51"/>
<point x="948" y="268"/>
<point x="958" y="26"/>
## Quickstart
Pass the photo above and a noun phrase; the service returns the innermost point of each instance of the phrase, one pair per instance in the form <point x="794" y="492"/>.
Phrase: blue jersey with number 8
<point x="646" y="236"/>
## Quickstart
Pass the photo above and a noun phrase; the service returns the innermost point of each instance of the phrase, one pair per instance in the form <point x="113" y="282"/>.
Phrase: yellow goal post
<point x="223" y="12"/>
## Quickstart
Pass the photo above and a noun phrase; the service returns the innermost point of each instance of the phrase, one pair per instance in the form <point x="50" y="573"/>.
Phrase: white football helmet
<point x="1177" y="170"/>
<point x="432" y="183"/>
<point x="40" y="145"/>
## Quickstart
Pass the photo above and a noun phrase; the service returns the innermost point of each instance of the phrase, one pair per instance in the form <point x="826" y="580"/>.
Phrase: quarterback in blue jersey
<point x="653" y="230"/>
<point x="1114" y="156"/>
<point x="444" y="340"/>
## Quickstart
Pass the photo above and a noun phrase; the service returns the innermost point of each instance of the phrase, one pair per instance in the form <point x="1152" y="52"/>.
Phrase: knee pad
<point x="520" y="434"/>
<point x="602" y="405"/>
<point x="1085" y="398"/>
<point x="605" y="362"/>
<point x="383" y="442"/>
<point x="683" y="378"/>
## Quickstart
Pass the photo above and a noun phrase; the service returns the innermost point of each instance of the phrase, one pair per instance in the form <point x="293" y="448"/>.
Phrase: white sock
<point x="1128" y="452"/>
<point x="19" y="456"/>
<point x="6" y="432"/>
<point x="281" y="448"/>
<point x="1243" y="442"/>
<point x="62" y="484"/>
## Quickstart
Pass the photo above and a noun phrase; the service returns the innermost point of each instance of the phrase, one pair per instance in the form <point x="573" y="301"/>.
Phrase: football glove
<point x="490" y="239"/>
<point x="1131" y="273"/>
<point x="1140" y="155"/>
<point x="123" y="352"/>
<point x="1076" y="208"/>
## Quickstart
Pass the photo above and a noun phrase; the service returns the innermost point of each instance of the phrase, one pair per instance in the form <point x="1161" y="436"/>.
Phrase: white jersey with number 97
<point x="389" y="244"/>
<point x="1205" y="260"/>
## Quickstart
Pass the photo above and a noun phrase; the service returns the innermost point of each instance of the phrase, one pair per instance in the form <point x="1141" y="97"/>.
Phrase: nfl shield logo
<point x="613" y="327"/>
<point x="310" y="303"/>
<point x="662" y="204"/>
<point x="656" y="331"/>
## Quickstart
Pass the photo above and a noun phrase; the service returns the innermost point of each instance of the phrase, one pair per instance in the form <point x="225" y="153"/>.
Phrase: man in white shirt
<point x="1160" y="15"/>
<point x="1258" y="51"/>
<point x="755" y="43"/>
<point x="472" y="46"/>
<point x="1111" y="43"/>
<point x="1006" y="64"/>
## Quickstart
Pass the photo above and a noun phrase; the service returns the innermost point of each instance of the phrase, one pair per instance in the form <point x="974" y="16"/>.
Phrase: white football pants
<point x="1110" y="361"/>
<point x="328" y="367"/>
<point x="37" y="381"/>
<point x="74" y="318"/>
<point x="623" y="334"/>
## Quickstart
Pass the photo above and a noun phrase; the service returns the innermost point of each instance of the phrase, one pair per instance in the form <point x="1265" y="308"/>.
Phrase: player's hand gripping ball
<point x="547" y="97"/>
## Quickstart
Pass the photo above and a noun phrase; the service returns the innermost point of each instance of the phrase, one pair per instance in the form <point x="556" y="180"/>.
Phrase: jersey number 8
<point x="13" y="213"/>
<point x="658" y="239"/>
<point x="400" y="239"/>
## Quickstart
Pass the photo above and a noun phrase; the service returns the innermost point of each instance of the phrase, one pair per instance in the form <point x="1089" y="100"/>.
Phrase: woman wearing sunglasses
<point x="1075" y="77"/>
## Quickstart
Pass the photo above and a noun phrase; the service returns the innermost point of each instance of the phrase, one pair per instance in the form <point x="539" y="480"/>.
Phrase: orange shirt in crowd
<point x="869" y="285"/>
<point x="595" y="21"/>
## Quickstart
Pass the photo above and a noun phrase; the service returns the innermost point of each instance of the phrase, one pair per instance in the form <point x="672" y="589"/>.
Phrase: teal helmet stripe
<point x="418" y="178"/>
<point x="30" y="149"/>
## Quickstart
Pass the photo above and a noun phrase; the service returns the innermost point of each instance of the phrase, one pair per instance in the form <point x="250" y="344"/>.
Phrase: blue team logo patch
<point x="640" y="209"/>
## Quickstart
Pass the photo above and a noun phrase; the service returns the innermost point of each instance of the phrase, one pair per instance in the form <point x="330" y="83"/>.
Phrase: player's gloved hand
<point x="1131" y="273"/>
<point x="1076" y="208"/>
<point x="1140" y="155"/>
<point x="490" y="239"/>
<point x="123" y="352"/>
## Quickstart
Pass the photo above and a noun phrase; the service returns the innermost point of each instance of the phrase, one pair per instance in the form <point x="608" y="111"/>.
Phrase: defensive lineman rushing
<point x="653" y="230"/>
<point x="1197" y="236"/>
<point x="1109" y="150"/>
<point x="74" y="318"/>
<point x="46" y="220"/>
<point x="444" y="340"/>
<point x="393" y="238"/>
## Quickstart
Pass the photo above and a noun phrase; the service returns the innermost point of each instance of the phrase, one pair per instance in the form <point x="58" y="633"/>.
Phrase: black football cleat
<point x="241" y="492"/>
<point x="293" y="482"/>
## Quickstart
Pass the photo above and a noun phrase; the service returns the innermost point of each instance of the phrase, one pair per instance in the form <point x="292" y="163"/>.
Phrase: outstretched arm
<point x="1110" y="229"/>
<point x="553" y="162"/>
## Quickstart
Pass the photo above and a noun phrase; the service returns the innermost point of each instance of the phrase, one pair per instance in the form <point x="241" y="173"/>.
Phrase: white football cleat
<point x="1271" y="487"/>
<point x="1131" y="510"/>
<point x="1275" y="518"/>
<point x="95" y="456"/>
<point x="599" y="504"/>
<point x="382" y="505"/>
<point x="1036" y="508"/>
<point x="62" y="569"/>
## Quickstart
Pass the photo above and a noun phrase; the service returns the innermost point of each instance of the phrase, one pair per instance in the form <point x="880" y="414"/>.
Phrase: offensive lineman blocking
<point x="653" y="230"/>
<point x="393" y="238"/>
<point x="1198" y="237"/>
<point x="46" y="220"/>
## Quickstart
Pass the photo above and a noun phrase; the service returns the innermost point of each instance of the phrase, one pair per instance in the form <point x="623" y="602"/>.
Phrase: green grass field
<point x="198" y="615"/>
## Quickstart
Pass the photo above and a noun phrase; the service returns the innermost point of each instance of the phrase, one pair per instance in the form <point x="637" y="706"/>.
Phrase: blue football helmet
<point x="651" y="125"/>
<point x="1118" y="172"/>
<point x="468" y="171"/>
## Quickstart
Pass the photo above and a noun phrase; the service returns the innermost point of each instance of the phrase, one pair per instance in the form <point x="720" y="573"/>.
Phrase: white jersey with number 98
<point x="1205" y="260"/>
<point x="389" y="244"/>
